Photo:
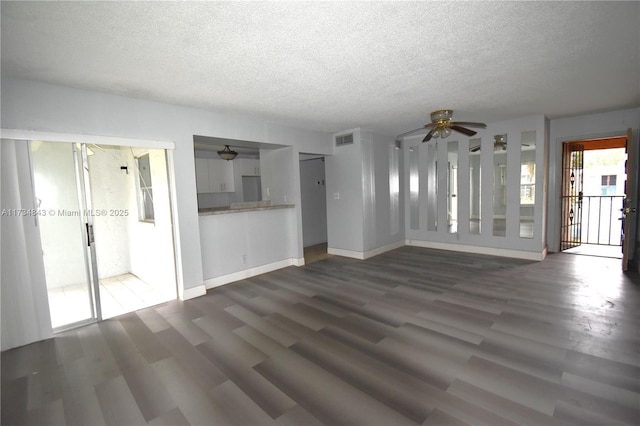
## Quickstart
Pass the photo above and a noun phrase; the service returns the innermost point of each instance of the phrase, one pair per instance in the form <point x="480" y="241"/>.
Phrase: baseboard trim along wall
<point x="193" y="292"/>
<point x="251" y="272"/>
<point x="491" y="251"/>
<point x="362" y="255"/>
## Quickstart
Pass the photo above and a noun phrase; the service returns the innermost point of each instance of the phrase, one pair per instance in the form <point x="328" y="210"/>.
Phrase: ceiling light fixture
<point x="227" y="153"/>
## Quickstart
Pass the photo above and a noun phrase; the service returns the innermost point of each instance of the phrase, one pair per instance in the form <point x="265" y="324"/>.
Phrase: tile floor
<point x="119" y="294"/>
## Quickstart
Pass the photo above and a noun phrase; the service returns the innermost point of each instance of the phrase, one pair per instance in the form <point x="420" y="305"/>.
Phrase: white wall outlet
<point x="285" y="198"/>
<point x="336" y="195"/>
<point x="243" y="259"/>
<point x="268" y="193"/>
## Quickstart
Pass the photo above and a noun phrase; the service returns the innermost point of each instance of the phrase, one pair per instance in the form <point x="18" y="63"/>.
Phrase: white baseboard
<point x="251" y="272"/>
<point x="492" y="251"/>
<point x="298" y="262"/>
<point x="366" y="254"/>
<point x="193" y="292"/>
<point x="346" y="253"/>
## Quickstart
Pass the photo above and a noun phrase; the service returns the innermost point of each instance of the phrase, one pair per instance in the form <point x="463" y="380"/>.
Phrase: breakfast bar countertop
<point x="243" y="207"/>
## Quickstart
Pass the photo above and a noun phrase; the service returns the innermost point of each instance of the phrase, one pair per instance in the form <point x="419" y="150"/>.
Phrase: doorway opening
<point x="593" y="181"/>
<point x="106" y="229"/>
<point x="314" y="207"/>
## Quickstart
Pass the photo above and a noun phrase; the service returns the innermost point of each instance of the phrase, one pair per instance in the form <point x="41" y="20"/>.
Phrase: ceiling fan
<point x="441" y="126"/>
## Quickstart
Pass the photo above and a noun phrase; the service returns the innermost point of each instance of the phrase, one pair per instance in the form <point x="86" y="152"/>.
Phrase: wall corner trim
<point x="362" y="255"/>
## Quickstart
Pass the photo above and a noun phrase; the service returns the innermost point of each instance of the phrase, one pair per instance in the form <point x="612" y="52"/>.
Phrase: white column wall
<point x="486" y="242"/>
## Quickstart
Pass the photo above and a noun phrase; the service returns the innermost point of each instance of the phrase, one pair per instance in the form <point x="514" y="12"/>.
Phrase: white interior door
<point x="629" y="208"/>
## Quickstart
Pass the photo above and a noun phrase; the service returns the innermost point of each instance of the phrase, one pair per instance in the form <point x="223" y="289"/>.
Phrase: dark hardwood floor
<point x="411" y="337"/>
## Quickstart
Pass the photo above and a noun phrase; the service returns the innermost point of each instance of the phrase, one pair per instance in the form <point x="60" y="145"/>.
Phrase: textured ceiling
<point x="333" y="66"/>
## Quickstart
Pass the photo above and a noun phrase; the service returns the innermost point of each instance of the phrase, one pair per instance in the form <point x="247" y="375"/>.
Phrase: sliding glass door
<point x="59" y="184"/>
<point x="106" y="229"/>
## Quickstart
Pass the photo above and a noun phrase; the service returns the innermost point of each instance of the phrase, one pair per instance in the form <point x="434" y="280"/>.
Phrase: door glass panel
<point x="500" y="186"/>
<point x="452" y="187"/>
<point x="527" y="183"/>
<point x="62" y="233"/>
<point x="474" y="186"/>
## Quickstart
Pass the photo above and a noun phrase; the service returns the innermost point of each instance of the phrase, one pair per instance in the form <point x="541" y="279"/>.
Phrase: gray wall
<point x="44" y="107"/>
<point x="360" y="215"/>
<point x="344" y="197"/>
<point x="314" y="202"/>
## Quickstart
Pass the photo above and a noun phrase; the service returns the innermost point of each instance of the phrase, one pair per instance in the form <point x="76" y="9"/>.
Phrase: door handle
<point x="89" y="234"/>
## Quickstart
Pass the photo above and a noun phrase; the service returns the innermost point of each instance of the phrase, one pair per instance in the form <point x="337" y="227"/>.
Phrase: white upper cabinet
<point x="214" y="175"/>
<point x="249" y="167"/>
<point x="202" y="175"/>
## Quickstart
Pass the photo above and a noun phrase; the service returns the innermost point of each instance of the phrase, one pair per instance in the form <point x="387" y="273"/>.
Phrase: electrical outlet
<point x="336" y="195"/>
<point x="243" y="259"/>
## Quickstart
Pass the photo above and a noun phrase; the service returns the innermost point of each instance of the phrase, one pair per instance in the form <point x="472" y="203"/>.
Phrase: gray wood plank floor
<point x="411" y="337"/>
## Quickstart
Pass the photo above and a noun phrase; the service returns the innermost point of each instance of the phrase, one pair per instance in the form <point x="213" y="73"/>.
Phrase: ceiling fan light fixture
<point x="227" y="153"/>
<point x="445" y="132"/>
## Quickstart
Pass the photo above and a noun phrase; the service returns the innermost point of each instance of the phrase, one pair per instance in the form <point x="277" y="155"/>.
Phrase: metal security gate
<point x="572" y="182"/>
<point x="601" y="220"/>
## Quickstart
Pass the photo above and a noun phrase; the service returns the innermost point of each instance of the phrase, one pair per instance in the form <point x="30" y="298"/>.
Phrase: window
<point x="608" y="184"/>
<point x="527" y="183"/>
<point x="145" y="193"/>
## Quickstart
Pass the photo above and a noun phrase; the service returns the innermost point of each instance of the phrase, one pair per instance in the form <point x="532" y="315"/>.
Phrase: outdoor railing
<point x="601" y="219"/>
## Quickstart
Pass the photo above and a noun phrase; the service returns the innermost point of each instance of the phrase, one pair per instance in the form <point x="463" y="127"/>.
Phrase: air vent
<point x="344" y="139"/>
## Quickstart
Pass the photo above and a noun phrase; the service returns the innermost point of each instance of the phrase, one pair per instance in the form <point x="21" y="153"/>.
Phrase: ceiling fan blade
<point x="462" y="130"/>
<point x="469" y="124"/>
<point x="423" y="128"/>
<point x="429" y="135"/>
<point x="475" y="149"/>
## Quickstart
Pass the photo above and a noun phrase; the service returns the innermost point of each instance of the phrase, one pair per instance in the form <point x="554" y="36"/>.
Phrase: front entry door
<point x="630" y="203"/>
<point x="572" y="180"/>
